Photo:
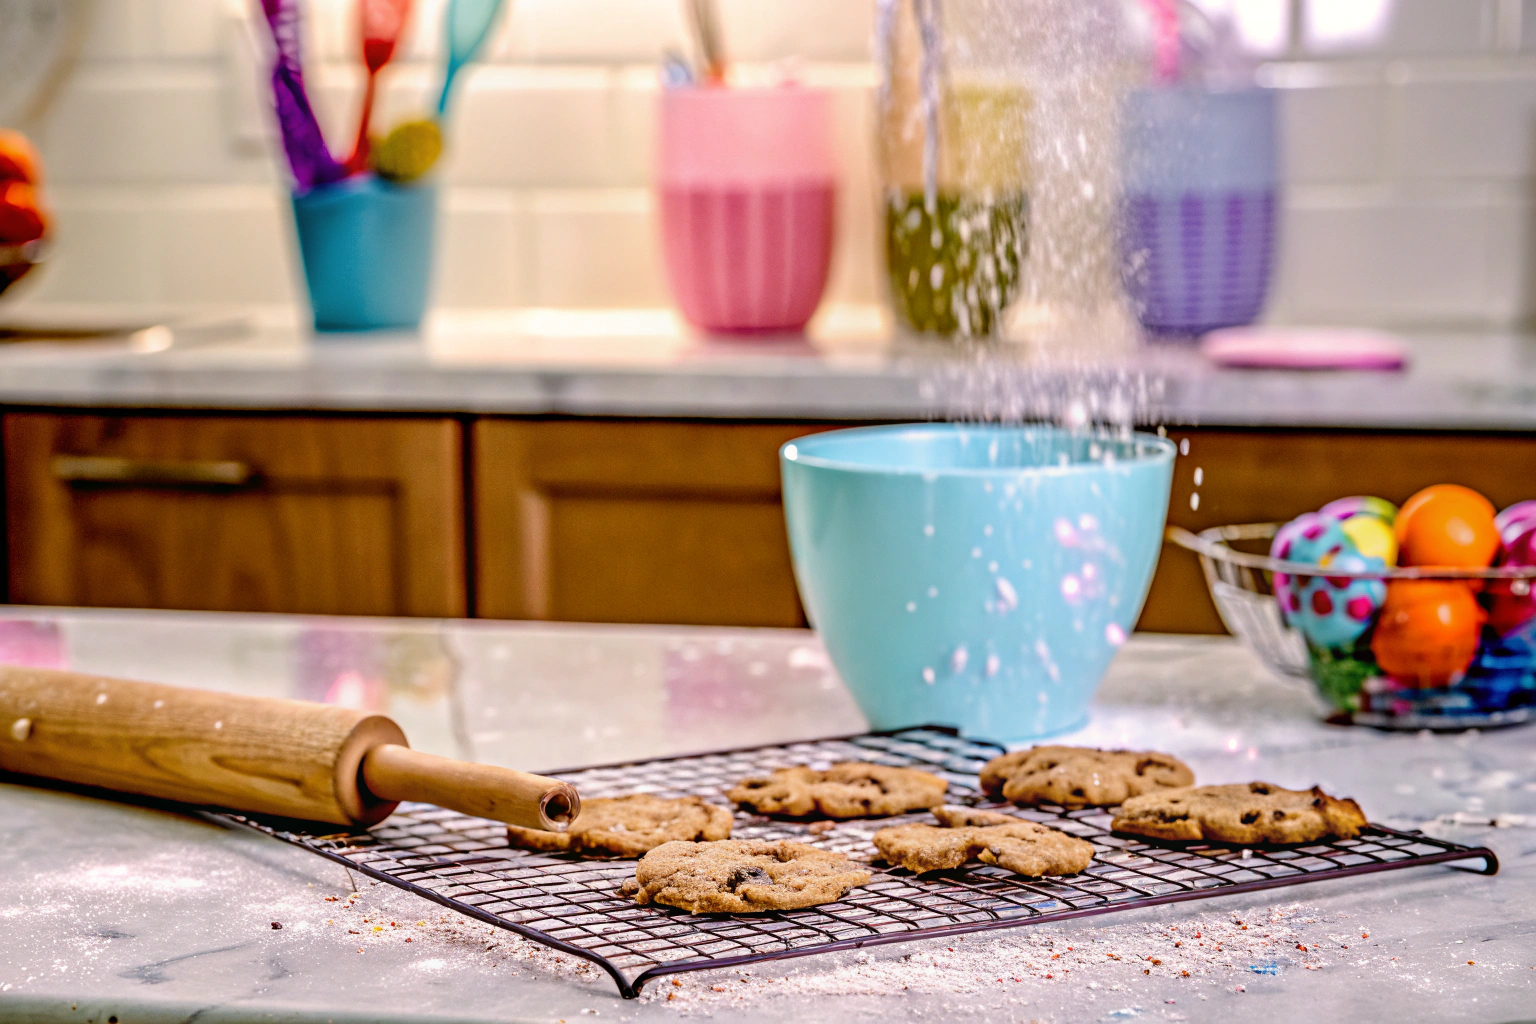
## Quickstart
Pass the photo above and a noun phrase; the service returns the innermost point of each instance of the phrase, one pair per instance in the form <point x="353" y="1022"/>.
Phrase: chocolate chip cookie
<point x="1245" y="814"/>
<point x="992" y="838"/>
<point x="1075" y="777"/>
<point x="629" y="826"/>
<point x="740" y="876"/>
<point x="853" y="789"/>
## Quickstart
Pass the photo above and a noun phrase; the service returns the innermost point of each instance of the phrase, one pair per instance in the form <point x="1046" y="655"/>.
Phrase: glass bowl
<point x="16" y="259"/>
<point x="1496" y="688"/>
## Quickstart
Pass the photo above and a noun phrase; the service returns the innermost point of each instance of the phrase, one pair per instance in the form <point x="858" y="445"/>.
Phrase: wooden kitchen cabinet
<point x="236" y="513"/>
<point x="595" y="520"/>
<point x="638" y="521"/>
<point x="1269" y="475"/>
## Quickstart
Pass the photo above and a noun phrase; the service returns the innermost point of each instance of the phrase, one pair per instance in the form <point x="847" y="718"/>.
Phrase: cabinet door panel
<point x="673" y="560"/>
<point x="283" y="514"/>
<point x="633" y="521"/>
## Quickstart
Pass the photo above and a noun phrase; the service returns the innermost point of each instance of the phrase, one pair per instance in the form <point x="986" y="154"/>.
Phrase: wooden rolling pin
<point x="284" y="757"/>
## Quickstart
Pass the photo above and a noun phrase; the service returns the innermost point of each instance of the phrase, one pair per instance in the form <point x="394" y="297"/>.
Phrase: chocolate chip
<point x="744" y="876"/>
<point x="1250" y="817"/>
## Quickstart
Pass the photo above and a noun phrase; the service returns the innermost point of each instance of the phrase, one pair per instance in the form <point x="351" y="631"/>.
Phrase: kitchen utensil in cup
<point x="367" y="248"/>
<point x="981" y="577"/>
<point x="1201" y="186"/>
<point x="747" y="184"/>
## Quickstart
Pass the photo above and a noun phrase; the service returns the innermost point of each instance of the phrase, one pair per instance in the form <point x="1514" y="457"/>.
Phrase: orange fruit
<point x="1427" y="631"/>
<point x="20" y="218"/>
<point x="1447" y="525"/>
<point x="18" y="159"/>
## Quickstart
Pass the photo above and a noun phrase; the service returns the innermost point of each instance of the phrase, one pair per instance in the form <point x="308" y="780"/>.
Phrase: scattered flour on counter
<point x="1111" y="961"/>
<point x="1228" y="950"/>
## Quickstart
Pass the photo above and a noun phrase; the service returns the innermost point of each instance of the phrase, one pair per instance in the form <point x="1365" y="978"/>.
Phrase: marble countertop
<point x="642" y="363"/>
<point x="143" y="912"/>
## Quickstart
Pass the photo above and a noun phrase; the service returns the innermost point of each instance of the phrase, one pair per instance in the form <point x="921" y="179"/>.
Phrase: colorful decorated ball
<point x="1447" y="525"/>
<point x="1307" y="538"/>
<point x="1428" y="630"/>
<point x="1344" y="509"/>
<point x="1333" y="611"/>
<point x="1512" y="603"/>
<point x="1372" y="537"/>
<point x="1517" y="519"/>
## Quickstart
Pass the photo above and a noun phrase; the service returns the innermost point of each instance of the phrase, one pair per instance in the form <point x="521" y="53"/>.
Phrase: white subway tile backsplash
<point x="1368" y="256"/>
<point x="193" y="29"/>
<point x="1410" y="151"/>
<point x="635" y="96"/>
<point x="106" y="250"/>
<point x="1511" y="282"/>
<point x="119" y="30"/>
<point x="226" y="245"/>
<point x="485" y="252"/>
<point x="148" y="29"/>
<point x="535" y="126"/>
<point x="1526" y="24"/>
<point x="830" y="30"/>
<point x="1398" y="28"/>
<point x="1332" y="132"/>
<point x="857" y="262"/>
<point x="590" y="31"/>
<point x="596" y="248"/>
<point x="1475" y="125"/>
<point x="117" y="124"/>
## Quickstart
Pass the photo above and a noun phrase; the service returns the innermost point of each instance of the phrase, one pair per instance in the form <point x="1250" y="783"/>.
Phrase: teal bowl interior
<point x="974" y="576"/>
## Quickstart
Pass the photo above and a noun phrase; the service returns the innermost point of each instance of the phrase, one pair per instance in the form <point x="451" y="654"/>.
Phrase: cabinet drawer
<point x="633" y="522"/>
<point x="236" y="513"/>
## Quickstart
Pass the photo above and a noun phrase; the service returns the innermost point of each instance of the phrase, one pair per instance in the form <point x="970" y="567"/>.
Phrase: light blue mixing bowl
<point x="974" y="576"/>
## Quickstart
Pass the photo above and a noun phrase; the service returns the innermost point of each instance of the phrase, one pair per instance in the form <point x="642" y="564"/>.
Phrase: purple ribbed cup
<point x="1197" y="239"/>
<point x="1201" y="260"/>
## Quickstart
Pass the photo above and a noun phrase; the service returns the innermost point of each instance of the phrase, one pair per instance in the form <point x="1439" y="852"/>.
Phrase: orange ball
<point x="18" y="160"/>
<point x="21" y="218"/>
<point x="1428" y="631"/>
<point x="1447" y="525"/>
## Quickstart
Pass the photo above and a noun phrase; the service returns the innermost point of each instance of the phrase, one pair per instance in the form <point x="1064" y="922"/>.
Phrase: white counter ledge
<point x="114" y="908"/>
<point x="640" y="363"/>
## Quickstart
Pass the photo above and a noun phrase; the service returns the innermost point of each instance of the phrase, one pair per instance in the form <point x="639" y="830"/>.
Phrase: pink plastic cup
<point x="748" y="188"/>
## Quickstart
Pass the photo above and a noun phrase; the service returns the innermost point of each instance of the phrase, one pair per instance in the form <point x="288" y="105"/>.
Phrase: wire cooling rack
<point x="573" y="904"/>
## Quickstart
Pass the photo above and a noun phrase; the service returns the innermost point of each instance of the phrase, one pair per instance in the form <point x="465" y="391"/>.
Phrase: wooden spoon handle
<point x="393" y="772"/>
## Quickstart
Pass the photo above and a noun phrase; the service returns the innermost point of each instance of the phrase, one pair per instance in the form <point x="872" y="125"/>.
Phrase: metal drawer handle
<point x="103" y="469"/>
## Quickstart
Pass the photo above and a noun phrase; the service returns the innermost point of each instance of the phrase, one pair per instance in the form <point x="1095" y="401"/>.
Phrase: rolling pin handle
<point x="396" y="773"/>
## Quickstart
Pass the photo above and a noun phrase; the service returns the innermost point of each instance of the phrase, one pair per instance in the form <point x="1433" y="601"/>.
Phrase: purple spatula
<point x="308" y="157"/>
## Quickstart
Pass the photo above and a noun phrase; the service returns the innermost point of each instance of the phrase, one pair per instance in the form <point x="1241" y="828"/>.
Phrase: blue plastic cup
<point x="367" y="248"/>
<point x="980" y="577"/>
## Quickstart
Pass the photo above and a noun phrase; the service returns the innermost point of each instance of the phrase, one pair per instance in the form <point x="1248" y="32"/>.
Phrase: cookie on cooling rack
<point x="852" y="789"/>
<point x="1245" y="814"/>
<point x="629" y="826"/>
<point x="1024" y="847"/>
<point x="1076" y="777"/>
<point x="740" y="876"/>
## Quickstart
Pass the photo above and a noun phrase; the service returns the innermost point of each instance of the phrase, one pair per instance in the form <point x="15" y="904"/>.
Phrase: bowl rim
<point x="1214" y="543"/>
<point x="1162" y="450"/>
